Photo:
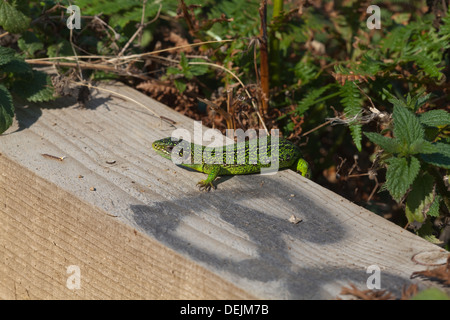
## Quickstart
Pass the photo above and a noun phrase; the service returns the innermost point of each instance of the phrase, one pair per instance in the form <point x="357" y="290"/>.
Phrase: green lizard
<point x="289" y="157"/>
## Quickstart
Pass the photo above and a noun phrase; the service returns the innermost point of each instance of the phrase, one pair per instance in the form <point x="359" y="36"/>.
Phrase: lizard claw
<point x="205" y="186"/>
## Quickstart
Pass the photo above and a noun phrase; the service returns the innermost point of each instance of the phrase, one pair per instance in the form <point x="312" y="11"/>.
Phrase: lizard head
<point x="166" y="146"/>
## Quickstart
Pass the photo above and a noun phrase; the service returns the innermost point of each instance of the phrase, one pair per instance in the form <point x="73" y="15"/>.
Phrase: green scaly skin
<point x="289" y="157"/>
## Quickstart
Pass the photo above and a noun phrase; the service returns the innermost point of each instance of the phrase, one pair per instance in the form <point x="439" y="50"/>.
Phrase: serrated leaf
<point x="198" y="69"/>
<point x="434" y="118"/>
<point x="420" y="198"/>
<point x="180" y="85"/>
<point x="310" y="99"/>
<point x="441" y="158"/>
<point x="6" y="55"/>
<point x="183" y="61"/>
<point x="173" y="70"/>
<point x="407" y="127"/>
<point x="36" y="88"/>
<point x="16" y="66"/>
<point x="11" y="19"/>
<point x="356" y="131"/>
<point x="29" y="44"/>
<point x="400" y="175"/>
<point x="351" y="100"/>
<point x="428" y="65"/>
<point x="62" y="48"/>
<point x="434" y="209"/>
<point x="422" y="146"/>
<point x="305" y="71"/>
<point x="388" y="144"/>
<point x="397" y="102"/>
<point x="6" y="109"/>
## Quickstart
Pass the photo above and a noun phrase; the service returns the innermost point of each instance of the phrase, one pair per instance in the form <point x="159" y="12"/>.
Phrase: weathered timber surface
<point x="137" y="226"/>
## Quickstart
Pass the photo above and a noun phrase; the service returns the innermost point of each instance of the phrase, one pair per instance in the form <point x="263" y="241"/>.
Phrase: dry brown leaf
<point x="367" y="294"/>
<point x="441" y="274"/>
<point x="343" y="78"/>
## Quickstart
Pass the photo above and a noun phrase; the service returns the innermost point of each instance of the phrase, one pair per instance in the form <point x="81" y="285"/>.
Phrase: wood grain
<point x="138" y="227"/>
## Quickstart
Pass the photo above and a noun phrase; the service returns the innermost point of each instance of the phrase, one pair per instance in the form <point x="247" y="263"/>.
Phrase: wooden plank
<point x="137" y="226"/>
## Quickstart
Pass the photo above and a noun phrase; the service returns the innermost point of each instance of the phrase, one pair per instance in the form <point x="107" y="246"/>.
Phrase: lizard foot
<point x="205" y="186"/>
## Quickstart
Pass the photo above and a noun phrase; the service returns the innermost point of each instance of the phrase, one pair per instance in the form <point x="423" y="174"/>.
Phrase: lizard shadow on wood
<point x="268" y="235"/>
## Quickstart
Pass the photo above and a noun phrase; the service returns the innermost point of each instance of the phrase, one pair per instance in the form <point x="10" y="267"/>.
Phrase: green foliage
<point x="431" y="294"/>
<point x="311" y="98"/>
<point x="400" y="175"/>
<point x="409" y="155"/>
<point x="6" y="109"/>
<point x="188" y="71"/>
<point x="352" y="102"/>
<point x="20" y="78"/>
<point x="11" y="18"/>
<point x="121" y="13"/>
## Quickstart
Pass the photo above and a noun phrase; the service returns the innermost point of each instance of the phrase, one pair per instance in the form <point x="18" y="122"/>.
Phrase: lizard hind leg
<point x="212" y="171"/>
<point x="303" y="167"/>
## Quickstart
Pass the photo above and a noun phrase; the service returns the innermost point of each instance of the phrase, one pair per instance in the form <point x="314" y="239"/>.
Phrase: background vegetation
<point x="369" y="107"/>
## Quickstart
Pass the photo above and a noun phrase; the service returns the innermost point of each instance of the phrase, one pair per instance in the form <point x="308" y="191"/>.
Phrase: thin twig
<point x="80" y="75"/>
<point x="264" y="58"/>
<point x="117" y="94"/>
<point x="316" y="128"/>
<point x="111" y="59"/>
<point x="240" y="82"/>
<point x="141" y="27"/>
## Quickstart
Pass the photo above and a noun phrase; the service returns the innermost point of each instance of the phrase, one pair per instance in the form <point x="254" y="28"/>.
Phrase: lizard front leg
<point x="213" y="172"/>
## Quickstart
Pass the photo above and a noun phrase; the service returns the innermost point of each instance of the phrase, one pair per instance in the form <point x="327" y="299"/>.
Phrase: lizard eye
<point x="169" y="148"/>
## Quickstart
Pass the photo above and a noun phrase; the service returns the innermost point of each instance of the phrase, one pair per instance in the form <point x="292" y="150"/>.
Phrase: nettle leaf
<point x="6" y="55"/>
<point x="173" y="71"/>
<point x="417" y="101"/>
<point x="441" y="158"/>
<point x="434" y="118"/>
<point x="420" y="199"/>
<point x="16" y="66"/>
<point x="180" y="85"/>
<point x="395" y="101"/>
<point x="10" y="62"/>
<point x="29" y="44"/>
<point x="400" y="174"/>
<point x="185" y="70"/>
<point x="387" y="144"/>
<point x="407" y="127"/>
<point x="36" y="88"/>
<point x="11" y="19"/>
<point x="422" y="146"/>
<point x="6" y="109"/>
<point x="198" y="69"/>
